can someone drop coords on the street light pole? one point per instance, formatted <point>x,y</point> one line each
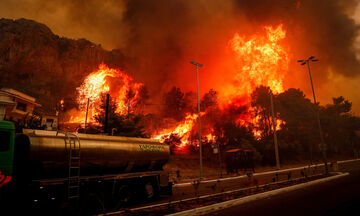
<point>274,129</point>
<point>87,111</point>
<point>198,102</point>
<point>323,144</point>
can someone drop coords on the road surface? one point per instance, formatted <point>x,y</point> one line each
<point>337,197</point>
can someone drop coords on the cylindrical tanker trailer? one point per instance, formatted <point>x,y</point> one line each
<point>49,153</point>
<point>94,170</point>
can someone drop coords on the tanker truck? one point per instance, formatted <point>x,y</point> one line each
<point>52,169</point>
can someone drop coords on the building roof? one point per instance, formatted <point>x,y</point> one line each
<point>5,101</point>
<point>18,95</point>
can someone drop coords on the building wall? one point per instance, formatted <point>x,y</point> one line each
<point>50,121</point>
<point>15,113</point>
<point>2,111</point>
<point>17,105</point>
<point>5,101</point>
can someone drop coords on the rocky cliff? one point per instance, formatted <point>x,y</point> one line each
<point>44,65</point>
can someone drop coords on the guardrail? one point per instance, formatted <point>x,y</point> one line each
<point>259,182</point>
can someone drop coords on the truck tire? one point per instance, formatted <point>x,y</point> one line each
<point>149,191</point>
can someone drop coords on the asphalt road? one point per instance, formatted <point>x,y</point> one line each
<point>337,197</point>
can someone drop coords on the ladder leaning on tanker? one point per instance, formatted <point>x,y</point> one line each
<point>72,142</point>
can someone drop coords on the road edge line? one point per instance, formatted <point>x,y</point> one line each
<point>259,196</point>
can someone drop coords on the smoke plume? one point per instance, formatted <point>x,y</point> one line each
<point>160,37</point>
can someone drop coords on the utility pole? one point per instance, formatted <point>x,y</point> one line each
<point>87,111</point>
<point>323,144</point>
<point>220,159</point>
<point>106,113</point>
<point>274,130</point>
<point>198,103</point>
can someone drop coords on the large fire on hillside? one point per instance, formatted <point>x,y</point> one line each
<point>259,60</point>
<point>119,85</point>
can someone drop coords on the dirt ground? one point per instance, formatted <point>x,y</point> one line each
<point>186,167</point>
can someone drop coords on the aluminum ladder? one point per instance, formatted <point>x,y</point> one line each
<point>72,145</point>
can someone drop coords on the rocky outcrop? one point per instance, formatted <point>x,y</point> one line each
<point>36,61</point>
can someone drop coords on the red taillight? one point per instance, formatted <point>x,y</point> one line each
<point>4,179</point>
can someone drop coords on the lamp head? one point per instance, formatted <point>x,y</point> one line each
<point>195,63</point>
<point>311,57</point>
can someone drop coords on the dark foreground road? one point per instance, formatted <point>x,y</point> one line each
<point>339,197</point>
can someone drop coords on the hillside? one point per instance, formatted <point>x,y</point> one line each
<point>36,61</point>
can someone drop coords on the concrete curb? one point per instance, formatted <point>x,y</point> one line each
<point>264,173</point>
<point>230,203</point>
<point>348,161</point>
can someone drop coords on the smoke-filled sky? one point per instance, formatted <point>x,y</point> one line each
<point>161,37</point>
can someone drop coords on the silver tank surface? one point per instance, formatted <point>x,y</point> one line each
<point>99,153</point>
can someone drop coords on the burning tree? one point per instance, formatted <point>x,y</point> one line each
<point>134,101</point>
<point>120,124</point>
<point>260,103</point>
<point>209,100</point>
<point>129,96</point>
<point>177,104</point>
<point>173,140</point>
<point>127,100</point>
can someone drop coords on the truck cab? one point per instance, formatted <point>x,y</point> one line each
<point>7,138</point>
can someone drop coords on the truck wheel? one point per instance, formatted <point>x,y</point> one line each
<point>149,191</point>
<point>123,196</point>
<point>93,204</point>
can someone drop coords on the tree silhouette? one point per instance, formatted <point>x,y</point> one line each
<point>120,124</point>
<point>209,100</point>
<point>175,104</point>
<point>260,101</point>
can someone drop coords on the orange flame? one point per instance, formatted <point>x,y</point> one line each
<point>183,130</point>
<point>260,60</point>
<point>95,84</point>
<point>104,80</point>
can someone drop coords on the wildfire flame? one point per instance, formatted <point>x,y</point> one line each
<point>182,130</point>
<point>260,60</point>
<point>95,84</point>
<point>105,80</point>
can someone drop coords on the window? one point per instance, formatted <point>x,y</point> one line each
<point>4,141</point>
<point>49,122</point>
<point>21,106</point>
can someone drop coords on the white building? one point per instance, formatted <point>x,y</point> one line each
<point>15,105</point>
